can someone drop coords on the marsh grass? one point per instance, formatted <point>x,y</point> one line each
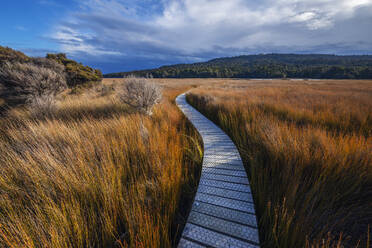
<point>307,150</point>
<point>96,174</point>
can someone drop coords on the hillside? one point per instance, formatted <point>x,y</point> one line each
<point>267,66</point>
<point>76,73</point>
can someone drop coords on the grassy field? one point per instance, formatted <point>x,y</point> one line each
<point>96,174</point>
<point>307,147</point>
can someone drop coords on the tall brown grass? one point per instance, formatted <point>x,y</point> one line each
<point>96,174</point>
<point>307,147</point>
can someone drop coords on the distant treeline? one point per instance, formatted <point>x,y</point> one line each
<point>267,66</point>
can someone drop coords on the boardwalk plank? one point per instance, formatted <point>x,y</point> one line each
<point>223,213</point>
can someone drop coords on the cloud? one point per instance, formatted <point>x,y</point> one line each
<point>193,30</point>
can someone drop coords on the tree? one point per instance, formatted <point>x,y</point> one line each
<point>268,66</point>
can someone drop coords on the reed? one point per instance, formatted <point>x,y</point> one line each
<point>307,150</point>
<point>96,174</point>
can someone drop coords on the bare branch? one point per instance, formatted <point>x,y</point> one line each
<point>141,94</point>
<point>31,84</point>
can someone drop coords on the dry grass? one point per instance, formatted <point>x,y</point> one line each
<point>94,172</point>
<point>307,147</point>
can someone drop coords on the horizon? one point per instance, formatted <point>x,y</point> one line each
<point>127,35</point>
<point>242,55</point>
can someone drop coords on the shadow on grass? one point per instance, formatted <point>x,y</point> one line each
<point>22,116</point>
<point>88,112</point>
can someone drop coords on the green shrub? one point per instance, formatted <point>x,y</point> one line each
<point>28,80</point>
<point>8,54</point>
<point>76,73</point>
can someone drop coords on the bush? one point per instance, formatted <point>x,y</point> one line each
<point>50,64</point>
<point>77,74</point>
<point>8,54</point>
<point>29,84</point>
<point>141,94</point>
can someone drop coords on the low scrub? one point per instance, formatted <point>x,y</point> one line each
<point>29,84</point>
<point>76,73</point>
<point>35,82</point>
<point>10,55</point>
<point>141,94</point>
<point>49,64</point>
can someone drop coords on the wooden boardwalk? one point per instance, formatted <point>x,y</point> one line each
<point>222,213</point>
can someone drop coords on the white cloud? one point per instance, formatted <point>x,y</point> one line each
<point>73,43</point>
<point>208,28</point>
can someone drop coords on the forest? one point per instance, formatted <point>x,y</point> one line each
<point>313,66</point>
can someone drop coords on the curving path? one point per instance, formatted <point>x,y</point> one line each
<point>222,214</point>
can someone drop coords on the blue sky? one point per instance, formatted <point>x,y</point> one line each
<point>121,35</point>
<point>26,24</point>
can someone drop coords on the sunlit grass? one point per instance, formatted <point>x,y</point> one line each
<point>308,152</point>
<point>96,174</point>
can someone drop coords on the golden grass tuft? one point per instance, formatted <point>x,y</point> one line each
<point>96,174</point>
<point>307,147</point>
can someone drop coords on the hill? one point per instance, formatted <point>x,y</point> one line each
<point>267,66</point>
<point>8,54</point>
<point>76,73</point>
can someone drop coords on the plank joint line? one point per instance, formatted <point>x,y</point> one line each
<point>219,220</point>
